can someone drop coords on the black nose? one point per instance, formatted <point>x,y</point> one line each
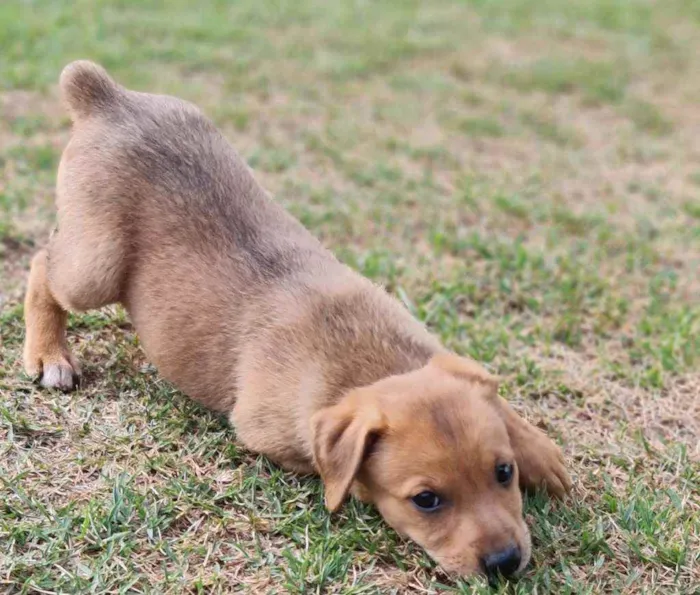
<point>505,562</point>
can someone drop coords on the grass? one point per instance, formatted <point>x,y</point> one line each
<point>597,82</point>
<point>522,174</point>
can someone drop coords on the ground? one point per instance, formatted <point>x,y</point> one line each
<point>523,174</point>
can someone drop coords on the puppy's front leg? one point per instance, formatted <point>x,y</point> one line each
<point>540,461</point>
<point>46,352</point>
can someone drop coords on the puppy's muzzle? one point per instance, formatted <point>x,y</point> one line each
<point>504,562</point>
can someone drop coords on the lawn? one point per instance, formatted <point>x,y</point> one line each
<point>523,174</point>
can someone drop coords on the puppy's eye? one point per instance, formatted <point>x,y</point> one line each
<point>504,474</point>
<point>427,501</point>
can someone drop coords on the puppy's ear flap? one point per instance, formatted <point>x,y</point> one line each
<point>341,436</point>
<point>464,368</point>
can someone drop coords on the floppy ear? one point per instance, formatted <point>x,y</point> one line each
<point>464,368</point>
<point>341,435</point>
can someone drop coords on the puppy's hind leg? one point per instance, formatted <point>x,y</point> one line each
<point>46,352</point>
<point>79,271</point>
<point>84,265</point>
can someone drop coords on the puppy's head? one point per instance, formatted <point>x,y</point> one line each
<point>431,450</point>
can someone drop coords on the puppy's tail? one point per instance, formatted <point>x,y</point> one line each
<point>87,89</point>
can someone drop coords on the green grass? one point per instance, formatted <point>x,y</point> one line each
<point>522,174</point>
<point>547,128</point>
<point>597,82</point>
<point>480,127</point>
<point>648,117</point>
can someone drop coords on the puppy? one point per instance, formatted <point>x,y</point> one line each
<point>245,311</point>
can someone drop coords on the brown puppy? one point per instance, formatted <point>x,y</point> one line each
<point>241,308</point>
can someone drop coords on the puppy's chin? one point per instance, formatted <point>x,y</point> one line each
<point>468,564</point>
<point>525,548</point>
<point>457,569</point>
